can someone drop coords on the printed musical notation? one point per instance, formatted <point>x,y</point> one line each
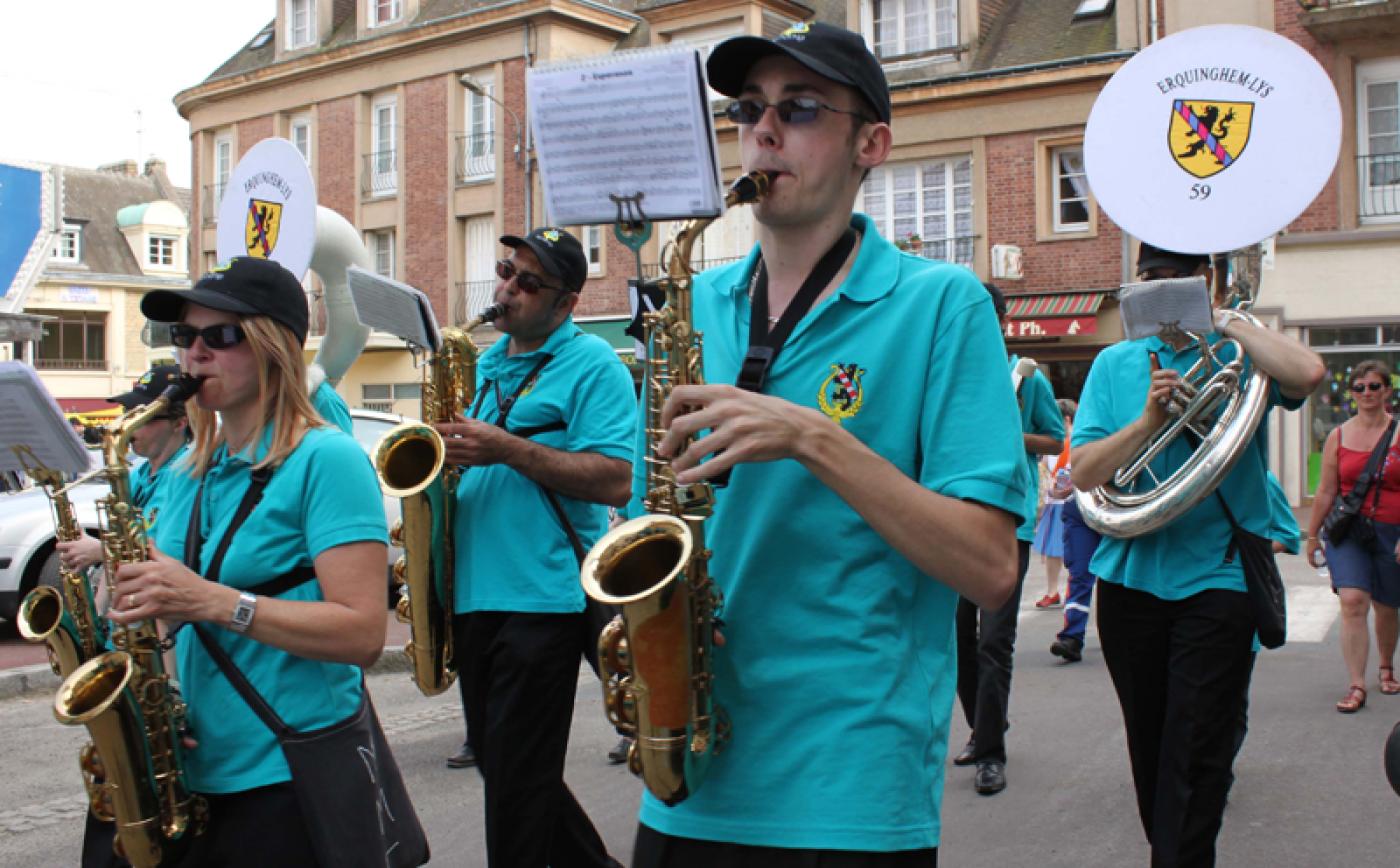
<point>629,123</point>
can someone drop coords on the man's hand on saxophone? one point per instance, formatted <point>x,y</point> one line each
<point>744,427</point>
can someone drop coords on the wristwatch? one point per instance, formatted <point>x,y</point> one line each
<point>243,613</point>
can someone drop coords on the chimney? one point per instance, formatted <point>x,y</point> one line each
<point>154,166</point>
<point>126,168</point>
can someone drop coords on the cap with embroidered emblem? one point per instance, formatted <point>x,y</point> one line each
<point>149,387</point>
<point>559,253</point>
<point>244,285</point>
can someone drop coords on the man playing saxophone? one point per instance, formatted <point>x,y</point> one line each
<point>544,449</point>
<point>1174,619</point>
<point>877,474</point>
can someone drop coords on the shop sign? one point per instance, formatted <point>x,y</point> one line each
<point>77,295</point>
<point>1052,326</point>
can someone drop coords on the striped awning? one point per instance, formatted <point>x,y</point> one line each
<point>1048,304</point>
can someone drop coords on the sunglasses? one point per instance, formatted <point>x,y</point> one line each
<point>216,337</point>
<point>527,282</point>
<point>1358,388</point>
<point>794,110</point>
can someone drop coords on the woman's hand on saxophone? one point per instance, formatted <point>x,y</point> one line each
<point>164,587</point>
<point>744,427</point>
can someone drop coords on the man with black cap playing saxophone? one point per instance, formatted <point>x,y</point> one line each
<point>877,473</point>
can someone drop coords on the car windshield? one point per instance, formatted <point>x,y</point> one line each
<point>368,431</point>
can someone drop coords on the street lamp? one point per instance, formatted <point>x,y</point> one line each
<point>471,83</point>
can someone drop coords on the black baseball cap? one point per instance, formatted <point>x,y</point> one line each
<point>832,52</point>
<point>998,299</point>
<point>245,285</point>
<point>149,387</point>
<point>1150,256</point>
<point>559,253</point>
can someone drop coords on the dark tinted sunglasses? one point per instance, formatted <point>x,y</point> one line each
<point>527,282</point>
<point>216,337</point>
<point>794,110</point>
<point>1367,387</point>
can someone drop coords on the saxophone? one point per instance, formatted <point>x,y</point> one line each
<point>124,697</point>
<point>409,462</point>
<point>655,658</point>
<point>66,620</point>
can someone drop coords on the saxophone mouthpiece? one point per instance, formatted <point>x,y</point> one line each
<point>749,188</point>
<point>183,389</point>
<point>491,312</point>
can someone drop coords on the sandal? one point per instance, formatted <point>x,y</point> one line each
<point>1389,686</point>
<point>1354,701</point>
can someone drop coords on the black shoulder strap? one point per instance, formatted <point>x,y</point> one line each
<point>240,683</point>
<point>1368,475</point>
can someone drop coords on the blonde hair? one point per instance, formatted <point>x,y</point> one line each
<point>281,394</point>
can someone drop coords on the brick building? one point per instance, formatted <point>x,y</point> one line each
<point>411,115</point>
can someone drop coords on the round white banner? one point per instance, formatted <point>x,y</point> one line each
<point>1213,138</point>
<point>269,208</point>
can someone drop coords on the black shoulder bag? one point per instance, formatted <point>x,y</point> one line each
<point>1344,521</point>
<point>1261,580</point>
<point>351,794</point>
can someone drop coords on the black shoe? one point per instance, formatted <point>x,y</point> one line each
<point>462,759</point>
<point>618,755</point>
<point>967,756</point>
<point>991,778</point>
<point>1070,648</point>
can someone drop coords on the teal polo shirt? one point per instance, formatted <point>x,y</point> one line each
<point>1187,556</point>
<point>512,553</point>
<point>1039,415</point>
<point>332,407</point>
<point>146,486</point>
<point>324,495</point>
<point>838,668</point>
<point>1284,524</point>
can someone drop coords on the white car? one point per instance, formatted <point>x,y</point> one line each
<point>27,541</point>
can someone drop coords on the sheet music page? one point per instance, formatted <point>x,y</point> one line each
<point>1149,308</point>
<point>626,123</point>
<point>30,419</point>
<point>393,307</point>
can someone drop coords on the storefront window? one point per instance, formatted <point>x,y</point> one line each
<point>1331,405</point>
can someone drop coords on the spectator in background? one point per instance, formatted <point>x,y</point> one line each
<point>1049,540</point>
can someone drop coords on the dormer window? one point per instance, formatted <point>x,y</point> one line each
<point>160,251</point>
<point>301,23</point>
<point>903,27</point>
<point>383,12</point>
<point>69,247</point>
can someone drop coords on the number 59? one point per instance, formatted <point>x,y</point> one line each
<point>1200,191</point>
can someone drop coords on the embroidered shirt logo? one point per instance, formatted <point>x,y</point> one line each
<point>842,394</point>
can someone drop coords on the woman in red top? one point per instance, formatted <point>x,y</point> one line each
<point>1365,575</point>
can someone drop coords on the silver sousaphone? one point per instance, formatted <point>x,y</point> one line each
<point>1193,146</point>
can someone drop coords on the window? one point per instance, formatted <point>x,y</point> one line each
<point>925,208</point>
<point>912,26</point>
<point>381,396</point>
<point>160,251</point>
<point>705,38</point>
<point>301,23</point>
<point>479,268</point>
<point>300,133</point>
<point>479,148</point>
<point>1378,139</point>
<point>69,247</point>
<point>75,341</point>
<point>1342,348</point>
<point>223,167</point>
<point>383,162</point>
<point>1070,197</point>
<point>593,248</point>
<point>381,247</point>
<point>383,12</point>
<point>1092,8</point>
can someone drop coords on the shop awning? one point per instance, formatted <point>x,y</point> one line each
<point>612,330</point>
<point>1051,314</point>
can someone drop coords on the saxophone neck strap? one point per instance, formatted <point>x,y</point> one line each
<point>764,345</point>
<point>505,405</point>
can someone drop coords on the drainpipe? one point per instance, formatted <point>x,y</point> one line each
<point>529,148</point>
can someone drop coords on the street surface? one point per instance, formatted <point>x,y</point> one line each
<point>1310,790</point>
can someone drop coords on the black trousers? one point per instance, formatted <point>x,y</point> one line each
<point>1181,670</point>
<point>262,826</point>
<point>519,673</point>
<point>655,849</point>
<point>986,643</point>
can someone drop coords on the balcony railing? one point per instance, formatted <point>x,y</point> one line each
<point>655,269</point>
<point>70,364</point>
<point>381,173</point>
<point>378,406</point>
<point>958,250</point>
<point>476,157</point>
<point>211,195</point>
<point>1379,179</point>
<point>473,296</point>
